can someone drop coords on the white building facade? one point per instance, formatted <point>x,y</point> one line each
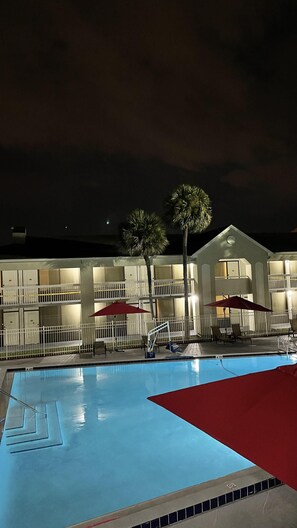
<point>46,302</point>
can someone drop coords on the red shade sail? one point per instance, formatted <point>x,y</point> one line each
<point>254,415</point>
<point>239,303</point>
<point>119,308</point>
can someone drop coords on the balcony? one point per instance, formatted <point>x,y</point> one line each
<point>170,287</point>
<point>139,289</point>
<point>32,295</point>
<point>104,291</point>
<point>113,290</point>
<point>233,285</point>
<point>282,282</point>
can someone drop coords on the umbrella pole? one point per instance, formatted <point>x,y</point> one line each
<point>112,334</point>
<point>266,327</point>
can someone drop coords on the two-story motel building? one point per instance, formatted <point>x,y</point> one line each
<point>51,287</point>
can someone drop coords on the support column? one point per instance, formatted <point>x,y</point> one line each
<point>260,293</point>
<point>207,293</point>
<point>87,307</point>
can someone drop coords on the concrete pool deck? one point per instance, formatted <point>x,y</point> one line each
<point>275,508</point>
<point>261,345</point>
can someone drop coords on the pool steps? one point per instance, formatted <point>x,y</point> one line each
<point>28,431</point>
<point>15,418</point>
<point>19,425</point>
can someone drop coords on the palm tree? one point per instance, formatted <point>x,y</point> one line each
<point>144,235</point>
<point>189,208</point>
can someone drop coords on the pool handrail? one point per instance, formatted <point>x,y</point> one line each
<point>9,395</point>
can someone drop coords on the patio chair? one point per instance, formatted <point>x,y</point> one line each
<point>217,335</point>
<point>144,342</point>
<point>236,331</point>
<point>293,323</point>
<point>99,347</point>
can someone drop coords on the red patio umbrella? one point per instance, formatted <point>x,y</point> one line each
<point>254,415</point>
<point>241,304</point>
<point>119,308</point>
<point>238,302</point>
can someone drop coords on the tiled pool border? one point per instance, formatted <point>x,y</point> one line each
<point>205,506</point>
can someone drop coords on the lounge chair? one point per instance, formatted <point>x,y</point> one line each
<point>217,335</point>
<point>174,348</point>
<point>236,331</point>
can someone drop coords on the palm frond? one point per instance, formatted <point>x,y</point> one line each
<point>189,207</point>
<point>144,234</point>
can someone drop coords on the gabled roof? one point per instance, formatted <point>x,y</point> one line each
<point>233,230</point>
<point>273,242</point>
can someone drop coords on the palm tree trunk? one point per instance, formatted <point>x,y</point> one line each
<point>186,286</point>
<point>149,280</point>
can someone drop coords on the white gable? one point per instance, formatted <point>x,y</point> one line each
<point>228,241</point>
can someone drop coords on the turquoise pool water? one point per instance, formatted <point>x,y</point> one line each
<point>118,448</point>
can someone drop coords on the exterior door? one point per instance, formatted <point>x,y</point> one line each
<point>31,324</point>
<point>233,268</point>
<point>30,282</point>
<point>11,328</point>
<point>10,287</point>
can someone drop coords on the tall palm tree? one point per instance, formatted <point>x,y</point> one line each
<point>144,235</point>
<point>189,208</point>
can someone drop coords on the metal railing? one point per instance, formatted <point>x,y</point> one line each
<point>21,402</point>
<point>56,340</point>
<point>139,289</point>
<point>282,282</point>
<point>103,291</point>
<point>114,290</point>
<point>50,294</point>
<point>232,277</point>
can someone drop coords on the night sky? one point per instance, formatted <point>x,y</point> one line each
<point>109,105</point>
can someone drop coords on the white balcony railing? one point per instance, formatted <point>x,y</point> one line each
<point>278,282</point>
<point>114,290</point>
<point>172,287</point>
<point>65,293</point>
<point>24,295</point>
<point>282,282</point>
<point>139,289</point>
<point>104,291</point>
<point>293,282</point>
<point>234,285</point>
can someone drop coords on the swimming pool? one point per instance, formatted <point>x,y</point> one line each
<point>115,447</point>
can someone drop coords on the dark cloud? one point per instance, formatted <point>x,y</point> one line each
<point>127,99</point>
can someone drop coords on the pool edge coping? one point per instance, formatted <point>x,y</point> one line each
<point>145,511</point>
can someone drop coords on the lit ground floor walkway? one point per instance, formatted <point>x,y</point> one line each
<point>276,508</point>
